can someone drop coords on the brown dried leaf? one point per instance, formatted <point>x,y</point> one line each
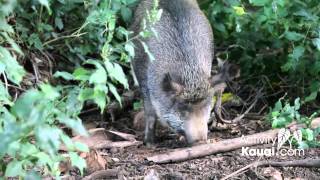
<point>96,136</point>
<point>95,162</point>
<point>272,173</point>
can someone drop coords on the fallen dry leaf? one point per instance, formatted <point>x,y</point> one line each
<point>95,162</point>
<point>272,173</point>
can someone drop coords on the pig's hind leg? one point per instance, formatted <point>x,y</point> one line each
<point>150,123</point>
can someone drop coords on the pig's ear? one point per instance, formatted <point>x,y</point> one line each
<point>169,85</point>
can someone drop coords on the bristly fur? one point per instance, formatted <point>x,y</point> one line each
<point>184,50</point>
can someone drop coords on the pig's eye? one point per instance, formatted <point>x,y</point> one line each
<point>184,106</point>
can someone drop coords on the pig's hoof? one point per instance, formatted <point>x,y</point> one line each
<point>150,145</point>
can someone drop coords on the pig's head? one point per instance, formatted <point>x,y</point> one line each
<point>189,103</point>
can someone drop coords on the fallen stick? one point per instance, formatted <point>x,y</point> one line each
<point>183,154</point>
<point>103,174</point>
<point>119,144</point>
<point>310,163</point>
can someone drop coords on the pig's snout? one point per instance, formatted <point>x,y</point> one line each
<point>196,131</point>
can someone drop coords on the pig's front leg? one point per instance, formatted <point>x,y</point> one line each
<point>150,123</point>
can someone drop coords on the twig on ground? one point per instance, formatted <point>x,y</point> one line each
<point>119,144</point>
<point>212,148</point>
<point>310,163</point>
<point>126,136</point>
<point>109,173</point>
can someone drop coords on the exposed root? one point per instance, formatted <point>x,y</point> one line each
<point>218,108</point>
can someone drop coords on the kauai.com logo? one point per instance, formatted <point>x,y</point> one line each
<point>277,148</point>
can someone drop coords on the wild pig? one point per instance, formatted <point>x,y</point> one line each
<point>177,87</point>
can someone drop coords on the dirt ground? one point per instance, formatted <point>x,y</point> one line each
<point>132,164</point>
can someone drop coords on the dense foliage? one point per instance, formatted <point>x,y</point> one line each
<point>86,41</point>
<point>276,38</point>
<point>277,41</point>
<point>85,49</point>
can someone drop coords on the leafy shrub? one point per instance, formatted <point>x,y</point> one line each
<point>274,38</point>
<point>90,46</point>
<point>284,114</point>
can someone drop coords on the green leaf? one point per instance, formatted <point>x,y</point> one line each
<point>44,159</point>
<point>24,105</point>
<point>28,149</point>
<point>14,168</point>
<point>278,106</point>
<point>14,71</point>
<point>293,36</point>
<point>48,138</point>
<point>126,14</point>
<point>239,10</point>
<point>13,44</point>
<point>81,74</point>
<point>4,26</point>
<point>309,135</point>
<point>74,124</point>
<point>259,2</point>
<point>279,122</point>
<point>311,97</point>
<point>58,23</point>
<point>5,98</point>
<point>68,142</point>
<point>73,104</point>
<point>46,4</point>
<point>307,15</point>
<point>303,145</point>
<point>99,76</point>
<point>33,175</point>
<point>296,104</point>
<point>297,52</point>
<point>81,147</point>
<point>13,147</point>
<point>316,42</point>
<point>49,91</point>
<point>35,41</point>
<point>129,47</point>
<point>100,97</point>
<point>86,94</point>
<point>115,92</point>
<point>77,161</point>
<point>115,71</point>
<point>64,75</point>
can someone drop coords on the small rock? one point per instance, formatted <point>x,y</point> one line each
<point>114,150</point>
<point>152,175</point>
<point>315,123</point>
<point>115,159</point>
<point>272,173</point>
